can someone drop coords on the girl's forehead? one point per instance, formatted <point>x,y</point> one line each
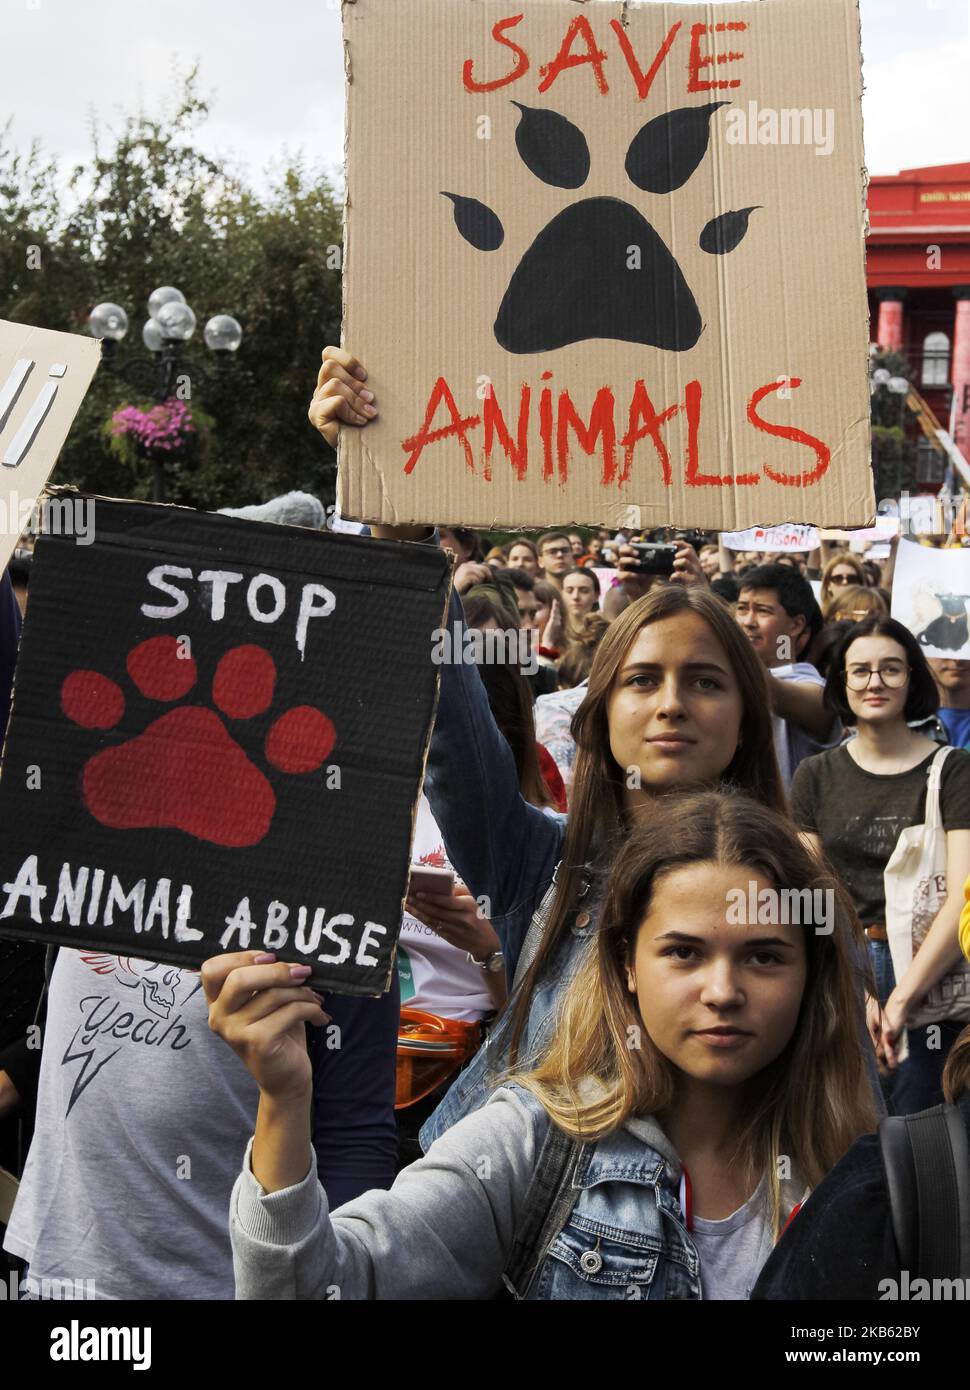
<point>675,640</point>
<point>866,648</point>
<point>725,905</point>
<point>682,880</point>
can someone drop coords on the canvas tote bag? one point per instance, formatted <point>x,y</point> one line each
<point>915,882</point>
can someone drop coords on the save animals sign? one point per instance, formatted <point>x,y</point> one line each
<point>605,263</point>
<point>217,738</point>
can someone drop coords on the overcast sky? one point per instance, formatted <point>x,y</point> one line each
<point>275,73</point>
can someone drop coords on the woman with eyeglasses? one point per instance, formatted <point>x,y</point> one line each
<point>853,802</point>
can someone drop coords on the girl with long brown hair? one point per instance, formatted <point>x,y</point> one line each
<point>677,698</point>
<point>705,1070</point>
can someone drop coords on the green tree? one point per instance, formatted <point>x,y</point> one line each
<point>149,208</point>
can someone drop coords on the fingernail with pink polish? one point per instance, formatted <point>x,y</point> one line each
<point>300,972</point>
<point>264,959</point>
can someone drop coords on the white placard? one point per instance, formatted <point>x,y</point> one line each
<point>43,380</point>
<point>931,596</point>
<point>772,538</point>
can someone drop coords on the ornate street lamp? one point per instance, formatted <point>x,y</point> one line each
<point>170,325</point>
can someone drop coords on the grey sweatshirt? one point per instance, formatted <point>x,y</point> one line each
<point>443,1231</point>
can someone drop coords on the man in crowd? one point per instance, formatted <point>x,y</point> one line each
<point>777,612</point>
<point>710,558</point>
<point>555,556</point>
<point>524,556</point>
<point>953,680</point>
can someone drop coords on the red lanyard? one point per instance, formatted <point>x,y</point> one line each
<point>687,1204</point>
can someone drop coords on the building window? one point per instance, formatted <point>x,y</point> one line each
<point>936,359</point>
<point>930,463</point>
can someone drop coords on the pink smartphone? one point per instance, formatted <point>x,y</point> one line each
<point>427,879</point>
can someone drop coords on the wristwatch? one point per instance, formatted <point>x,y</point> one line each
<point>492,964</point>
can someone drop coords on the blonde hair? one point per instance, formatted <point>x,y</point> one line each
<point>812,1101</point>
<point>853,598</point>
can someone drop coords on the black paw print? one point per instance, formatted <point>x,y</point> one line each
<point>575,281</point>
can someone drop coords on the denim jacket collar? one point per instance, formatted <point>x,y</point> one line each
<point>661,1162</point>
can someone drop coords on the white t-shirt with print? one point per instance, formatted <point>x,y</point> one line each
<point>553,714</point>
<point>143,1115</point>
<point>443,980</point>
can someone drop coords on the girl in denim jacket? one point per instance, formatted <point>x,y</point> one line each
<point>676,698</point>
<point>704,1069</point>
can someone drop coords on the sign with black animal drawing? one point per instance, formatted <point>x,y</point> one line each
<point>629,281</point>
<point>44,377</point>
<point>931,596</point>
<point>217,739</point>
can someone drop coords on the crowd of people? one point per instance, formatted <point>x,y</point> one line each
<point>612,1063</point>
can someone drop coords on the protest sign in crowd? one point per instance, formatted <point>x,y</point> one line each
<point>393,906</point>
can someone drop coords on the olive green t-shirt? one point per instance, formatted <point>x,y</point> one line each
<point>858,815</point>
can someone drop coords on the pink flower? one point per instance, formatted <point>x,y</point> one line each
<point>165,426</point>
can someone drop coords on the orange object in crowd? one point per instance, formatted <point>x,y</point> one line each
<point>429,1049</point>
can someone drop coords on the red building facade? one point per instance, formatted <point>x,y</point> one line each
<point>918,273</point>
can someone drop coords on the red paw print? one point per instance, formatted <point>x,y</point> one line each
<point>186,771</point>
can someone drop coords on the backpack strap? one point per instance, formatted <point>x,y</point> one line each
<point>548,1202</point>
<point>926,1159</point>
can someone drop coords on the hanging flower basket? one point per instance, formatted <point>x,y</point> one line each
<point>170,432</point>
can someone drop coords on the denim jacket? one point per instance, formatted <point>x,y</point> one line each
<point>502,847</point>
<point>625,1235</point>
<point>472,1087</point>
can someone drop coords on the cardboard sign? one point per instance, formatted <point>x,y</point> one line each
<point>772,538</point>
<point>43,380</point>
<point>604,263</point>
<point>218,734</point>
<point>931,596</point>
